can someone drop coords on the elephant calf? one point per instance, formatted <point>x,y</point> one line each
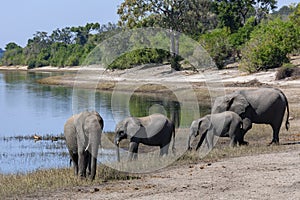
<point>83,137</point>
<point>225,124</point>
<point>153,130</point>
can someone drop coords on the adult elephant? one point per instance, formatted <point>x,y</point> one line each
<point>153,130</point>
<point>225,124</point>
<point>83,137</point>
<point>260,106</point>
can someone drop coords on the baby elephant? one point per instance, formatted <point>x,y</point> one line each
<point>152,130</point>
<point>225,124</point>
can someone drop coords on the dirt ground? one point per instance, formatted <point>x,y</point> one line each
<point>263,176</point>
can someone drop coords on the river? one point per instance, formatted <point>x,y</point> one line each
<point>28,108</point>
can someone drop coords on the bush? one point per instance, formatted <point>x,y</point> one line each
<point>269,46</point>
<point>288,70</point>
<point>217,44</point>
<point>138,57</point>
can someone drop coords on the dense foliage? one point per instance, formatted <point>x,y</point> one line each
<point>1,53</point>
<point>63,47</point>
<point>269,45</point>
<point>229,30</point>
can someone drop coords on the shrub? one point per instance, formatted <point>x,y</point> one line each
<point>217,44</point>
<point>269,45</point>
<point>139,56</point>
<point>287,70</point>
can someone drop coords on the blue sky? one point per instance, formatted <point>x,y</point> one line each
<point>20,19</point>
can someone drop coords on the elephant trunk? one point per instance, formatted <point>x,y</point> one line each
<point>189,141</point>
<point>94,153</point>
<point>117,143</point>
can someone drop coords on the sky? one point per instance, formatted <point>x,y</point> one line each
<point>20,19</point>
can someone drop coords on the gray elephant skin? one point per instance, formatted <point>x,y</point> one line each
<point>83,137</point>
<point>260,106</point>
<point>153,130</point>
<point>225,124</point>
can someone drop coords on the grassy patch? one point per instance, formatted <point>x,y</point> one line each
<point>54,179</point>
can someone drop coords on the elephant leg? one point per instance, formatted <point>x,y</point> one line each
<point>164,150</point>
<point>74,159</point>
<point>276,129</point>
<point>75,163</point>
<point>88,162</point>
<point>133,151</point>
<point>233,141</point>
<point>239,137</point>
<point>210,140</point>
<point>247,125</point>
<point>82,164</point>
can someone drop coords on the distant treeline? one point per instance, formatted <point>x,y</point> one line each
<point>244,31</point>
<point>63,47</point>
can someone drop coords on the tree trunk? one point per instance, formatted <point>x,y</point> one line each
<point>174,50</point>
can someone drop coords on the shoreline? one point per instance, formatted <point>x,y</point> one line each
<point>156,77</point>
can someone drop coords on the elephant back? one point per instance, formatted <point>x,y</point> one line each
<point>154,123</point>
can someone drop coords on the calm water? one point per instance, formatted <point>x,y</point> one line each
<point>28,108</point>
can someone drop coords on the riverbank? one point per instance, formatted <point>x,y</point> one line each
<point>253,172</point>
<point>97,77</point>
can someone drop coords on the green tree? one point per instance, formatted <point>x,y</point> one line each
<point>1,53</point>
<point>13,55</point>
<point>270,45</point>
<point>234,13</point>
<point>176,15</point>
<point>64,35</point>
<point>239,38</point>
<point>218,46</point>
<point>83,32</point>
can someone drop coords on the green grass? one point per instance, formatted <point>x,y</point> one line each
<point>54,179</point>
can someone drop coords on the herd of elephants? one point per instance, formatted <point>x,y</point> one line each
<point>232,116</point>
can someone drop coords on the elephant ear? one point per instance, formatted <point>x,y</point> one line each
<point>236,103</point>
<point>204,124</point>
<point>132,125</point>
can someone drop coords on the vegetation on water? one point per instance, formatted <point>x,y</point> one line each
<point>229,30</point>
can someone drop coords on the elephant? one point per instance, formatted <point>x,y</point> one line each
<point>225,124</point>
<point>260,106</point>
<point>152,130</point>
<point>83,137</point>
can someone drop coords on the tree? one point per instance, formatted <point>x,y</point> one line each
<point>187,16</point>
<point>217,44</point>
<point>270,45</point>
<point>1,53</point>
<point>64,35</point>
<point>234,13</point>
<point>13,55</point>
<point>83,32</point>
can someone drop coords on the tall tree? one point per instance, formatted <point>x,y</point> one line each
<point>234,13</point>
<point>187,16</point>
<point>64,35</point>
<point>83,32</point>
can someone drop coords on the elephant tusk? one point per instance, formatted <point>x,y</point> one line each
<point>87,148</point>
<point>118,142</point>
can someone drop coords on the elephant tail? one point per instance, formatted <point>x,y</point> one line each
<point>287,123</point>
<point>173,138</point>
